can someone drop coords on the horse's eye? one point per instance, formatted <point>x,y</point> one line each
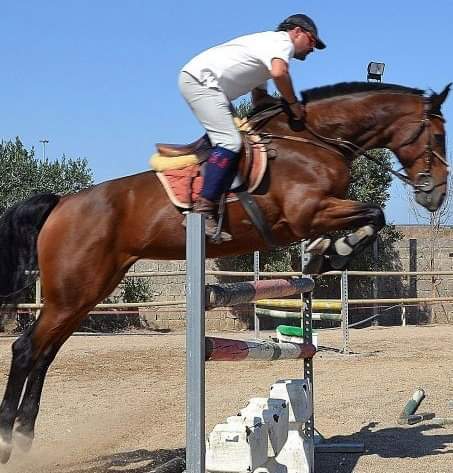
<point>440,141</point>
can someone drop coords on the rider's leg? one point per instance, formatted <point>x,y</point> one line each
<point>213,110</point>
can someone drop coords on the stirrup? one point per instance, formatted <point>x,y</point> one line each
<point>219,235</point>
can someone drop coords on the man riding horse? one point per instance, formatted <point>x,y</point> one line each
<point>215,77</point>
<point>83,243</point>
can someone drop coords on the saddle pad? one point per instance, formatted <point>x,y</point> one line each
<point>161,163</point>
<point>183,186</point>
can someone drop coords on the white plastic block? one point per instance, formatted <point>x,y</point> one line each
<point>274,413</point>
<point>297,393</point>
<point>236,448</point>
<point>297,455</point>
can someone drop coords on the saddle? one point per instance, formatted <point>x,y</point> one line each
<point>180,167</point>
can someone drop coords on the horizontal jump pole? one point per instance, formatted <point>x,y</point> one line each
<point>227,295</point>
<point>281,314</point>
<point>224,349</point>
<point>317,304</point>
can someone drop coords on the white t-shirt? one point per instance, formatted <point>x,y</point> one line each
<point>240,65</point>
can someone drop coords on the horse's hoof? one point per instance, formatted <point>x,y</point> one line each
<point>339,262</point>
<point>5,450</point>
<point>24,440</point>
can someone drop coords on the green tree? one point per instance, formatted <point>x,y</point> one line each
<point>136,290</point>
<point>23,174</point>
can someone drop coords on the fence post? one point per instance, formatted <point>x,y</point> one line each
<point>303,245</point>
<point>195,344</point>
<point>307,322</point>
<point>403,316</point>
<point>345,311</point>
<point>413,312</point>
<point>256,269</point>
<point>375,282</point>
<point>38,296</point>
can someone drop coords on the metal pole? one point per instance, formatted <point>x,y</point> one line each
<point>302,296</point>
<point>195,344</point>
<point>44,142</point>
<point>345,311</point>
<point>256,269</point>
<point>403,316</point>
<point>38,296</point>
<point>375,282</point>
<point>309,428</point>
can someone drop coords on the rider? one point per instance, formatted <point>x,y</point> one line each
<point>215,77</point>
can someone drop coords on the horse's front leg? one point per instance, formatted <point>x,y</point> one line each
<point>336,214</point>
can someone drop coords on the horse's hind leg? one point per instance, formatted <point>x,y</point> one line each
<point>21,364</point>
<point>56,326</point>
<point>29,365</point>
<point>24,426</point>
<point>67,304</point>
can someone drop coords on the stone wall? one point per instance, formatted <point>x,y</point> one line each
<point>414,253</point>
<point>423,250</point>
<point>172,288</point>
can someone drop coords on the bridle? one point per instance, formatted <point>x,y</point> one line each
<point>424,181</point>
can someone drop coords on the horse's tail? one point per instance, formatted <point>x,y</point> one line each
<point>19,229</point>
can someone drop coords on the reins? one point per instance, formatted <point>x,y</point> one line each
<point>338,145</point>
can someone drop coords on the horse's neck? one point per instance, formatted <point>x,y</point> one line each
<point>367,121</point>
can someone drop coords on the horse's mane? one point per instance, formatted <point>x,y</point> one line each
<point>347,88</point>
<point>335,90</point>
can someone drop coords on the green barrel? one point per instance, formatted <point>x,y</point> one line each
<point>412,405</point>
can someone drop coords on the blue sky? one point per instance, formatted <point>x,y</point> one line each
<point>98,78</point>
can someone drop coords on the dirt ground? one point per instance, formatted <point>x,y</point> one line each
<point>115,403</point>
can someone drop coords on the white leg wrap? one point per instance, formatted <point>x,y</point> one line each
<point>318,246</point>
<point>344,246</point>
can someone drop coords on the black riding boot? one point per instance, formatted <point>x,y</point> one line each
<point>208,209</point>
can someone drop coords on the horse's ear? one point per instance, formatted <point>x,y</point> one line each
<point>438,99</point>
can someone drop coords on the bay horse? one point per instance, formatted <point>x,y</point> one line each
<point>84,243</point>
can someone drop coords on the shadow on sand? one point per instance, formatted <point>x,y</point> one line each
<point>391,442</point>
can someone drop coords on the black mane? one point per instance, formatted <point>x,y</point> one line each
<point>335,90</point>
<point>346,88</point>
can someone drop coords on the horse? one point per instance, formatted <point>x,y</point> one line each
<point>83,244</point>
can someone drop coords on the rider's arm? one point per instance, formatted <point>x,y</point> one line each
<point>284,84</point>
<point>282,79</point>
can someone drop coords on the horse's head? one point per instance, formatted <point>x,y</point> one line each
<point>421,148</point>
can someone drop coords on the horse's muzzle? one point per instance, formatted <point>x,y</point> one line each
<point>431,200</point>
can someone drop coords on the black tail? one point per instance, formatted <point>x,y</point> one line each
<point>19,229</point>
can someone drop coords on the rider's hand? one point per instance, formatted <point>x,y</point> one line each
<point>298,111</point>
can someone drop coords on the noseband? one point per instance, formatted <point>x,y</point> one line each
<point>424,180</point>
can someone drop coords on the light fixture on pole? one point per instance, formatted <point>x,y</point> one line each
<point>375,71</point>
<point>44,142</point>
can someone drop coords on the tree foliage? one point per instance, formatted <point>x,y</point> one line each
<point>136,290</point>
<point>23,174</point>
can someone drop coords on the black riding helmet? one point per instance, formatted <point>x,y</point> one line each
<point>304,22</point>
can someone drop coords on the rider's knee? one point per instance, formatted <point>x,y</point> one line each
<point>232,142</point>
